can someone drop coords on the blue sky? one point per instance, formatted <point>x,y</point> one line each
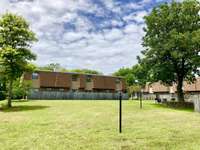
<point>104,35</point>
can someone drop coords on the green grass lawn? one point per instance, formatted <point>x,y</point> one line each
<point>93,125</point>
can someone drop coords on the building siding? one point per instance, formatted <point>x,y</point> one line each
<point>82,81</point>
<point>158,87</point>
<point>54,80</point>
<point>58,81</point>
<point>191,91</point>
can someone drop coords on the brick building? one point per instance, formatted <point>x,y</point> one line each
<point>68,85</point>
<point>191,91</point>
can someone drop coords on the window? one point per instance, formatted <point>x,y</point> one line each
<point>118,81</point>
<point>88,78</point>
<point>74,77</point>
<point>34,76</point>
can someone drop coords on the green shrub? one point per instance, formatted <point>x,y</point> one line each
<point>21,89</point>
<point>2,95</point>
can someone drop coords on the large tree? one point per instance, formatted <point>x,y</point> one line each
<point>15,53</point>
<point>127,73</point>
<point>172,42</point>
<point>135,75</point>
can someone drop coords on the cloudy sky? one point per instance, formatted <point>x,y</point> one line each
<point>104,35</point>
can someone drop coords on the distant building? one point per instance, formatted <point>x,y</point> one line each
<point>68,85</point>
<point>191,91</point>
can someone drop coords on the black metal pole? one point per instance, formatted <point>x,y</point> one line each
<point>120,112</point>
<point>140,100</point>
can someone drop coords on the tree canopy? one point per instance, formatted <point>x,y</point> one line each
<point>16,39</point>
<point>51,67</point>
<point>87,71</point>
<point>135,75</point>
<point>172,41</point>
<point>58,67</point>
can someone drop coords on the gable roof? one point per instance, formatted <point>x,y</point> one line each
<point>158,87</point>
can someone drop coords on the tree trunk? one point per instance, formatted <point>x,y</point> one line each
<point>180,90</point>
<point>10,93</point>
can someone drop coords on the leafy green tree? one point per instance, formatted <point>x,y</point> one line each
<point>52,67</point>
<point>136,75</point>
<point>58,67</point>
<point>134,89</point>
<point>87,71</point>
<point>21,88</point>
<point>140,73</point>
<point>127,73</point>
<point>172,42</point>
<point>2,88</point>
<point>15,53</point>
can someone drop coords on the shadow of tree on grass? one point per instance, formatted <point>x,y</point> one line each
<point>181,108</point>
<point>20,100</point>
<point>22,108</point>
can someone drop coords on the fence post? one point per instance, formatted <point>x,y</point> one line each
<point>120,112</point>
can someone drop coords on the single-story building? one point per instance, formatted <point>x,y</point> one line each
<point>69,85</point>
<point>191,91</point>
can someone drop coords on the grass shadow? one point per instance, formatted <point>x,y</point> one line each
<point>171,107</point>
<point>22,108</point>
<point>20,100</point>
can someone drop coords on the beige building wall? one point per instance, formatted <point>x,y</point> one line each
<point>65,81</point>
<point>89,86</point>
<point>76,84</point>
<point>36,83</point>
<point>119,86</point>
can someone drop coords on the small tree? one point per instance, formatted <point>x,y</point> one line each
<point>51,67</point>
<point>134,89</point>
<point>172,42</point>
<point>2,87</point>
<point>21,88</point>
<point>15,42</point>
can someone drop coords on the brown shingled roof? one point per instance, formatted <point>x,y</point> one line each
<point>192,87</point>
<point>188,87</point>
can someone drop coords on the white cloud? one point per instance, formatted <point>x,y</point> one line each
<point>106,50</point>
<point>137,16</point>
